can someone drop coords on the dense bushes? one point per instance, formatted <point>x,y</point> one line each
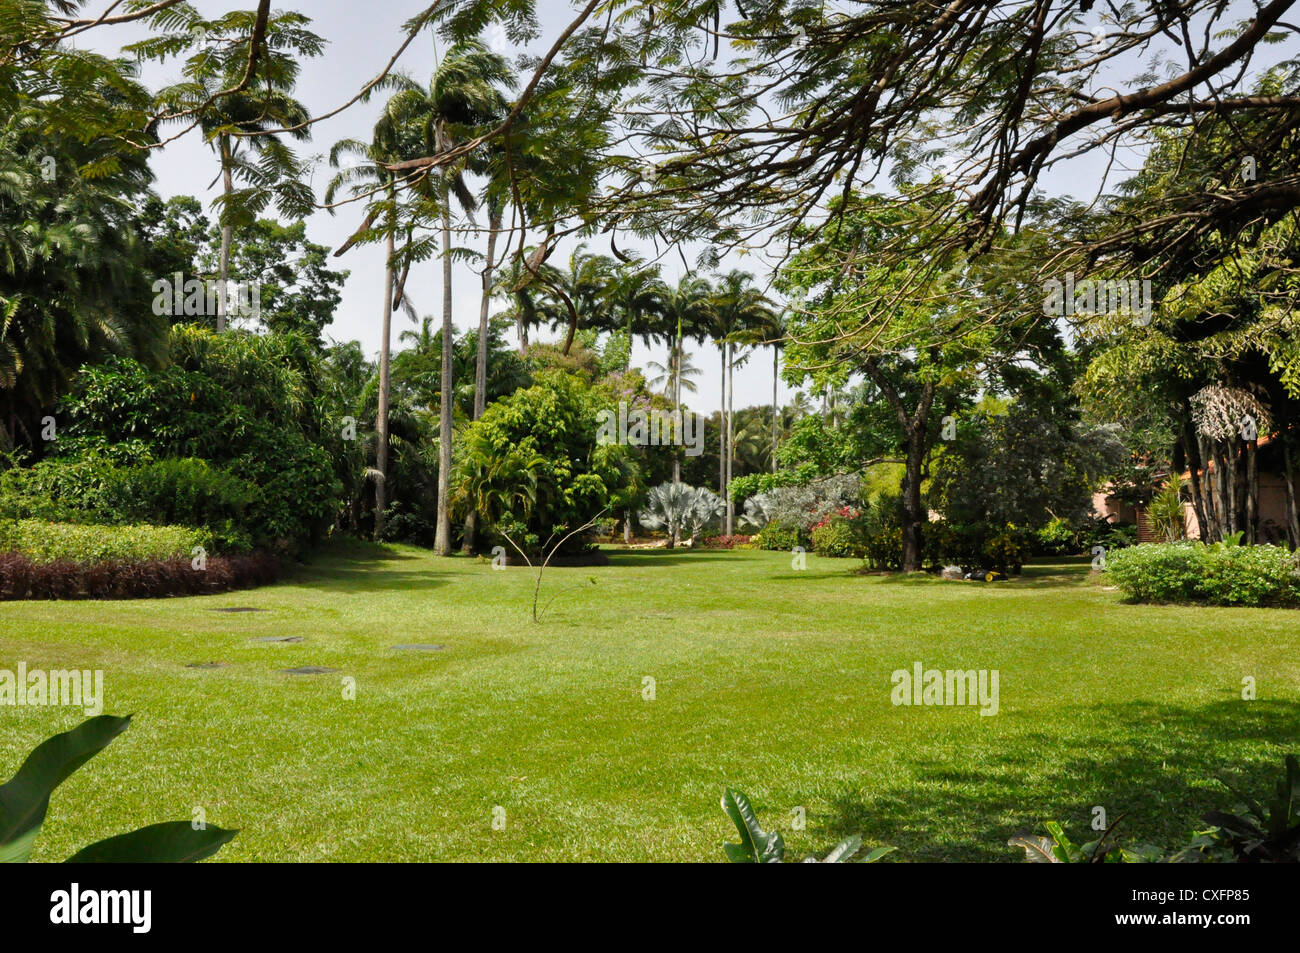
<point>43,542</point>
<point>780,536</point>
<point>533,463</point>
<point>1219,574</point>
<point>839,536</point>
<point>22,578</point>
<point>93,489</point>
<point>241,403</point>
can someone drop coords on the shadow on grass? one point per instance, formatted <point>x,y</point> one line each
<point>665,557</point>
<point>354,565</point>
<point>1155,764</point>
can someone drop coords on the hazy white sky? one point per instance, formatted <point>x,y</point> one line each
<point>362,37</point>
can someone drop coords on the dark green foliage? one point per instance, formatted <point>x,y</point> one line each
<point>1024,466</point>
<point>243,403</point>
<point>533,458</point>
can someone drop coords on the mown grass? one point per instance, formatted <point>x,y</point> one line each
<point>769,679</point>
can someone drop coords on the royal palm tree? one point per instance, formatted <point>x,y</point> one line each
<point>369,177</point>
<point>740,315</point>
<point>637,298</point>
<point>241,127</point>
<point>464,95</point>
<point>688,312</point>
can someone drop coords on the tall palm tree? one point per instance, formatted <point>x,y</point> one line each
<point>637,299</point>
<point>688,312</point>
<point>464,95</point>
<point>741,314</point>
<point>776,330</point>
<point>239,126</point>
<point>368,176</point>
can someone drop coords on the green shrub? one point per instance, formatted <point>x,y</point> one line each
<point>975,545</point>
<point>188,492</point>
<point>838,537</point>
<point>778,536</point>
<point>245,403</point>
<point>1218,575</point>
<point>1057,538</point>
<point>44,542</point>
<point>93,489</point>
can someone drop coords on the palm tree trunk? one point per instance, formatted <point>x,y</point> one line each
<point>381,421</point>
<point>480,364</point>
<point>1252,494</point>
<point>722,420</point>
<point>442,538</point>
<point>227,233</point>
<point>675,361</point>
<point>731,436</point>
<point>776,413</point>
<point>1292,517</point>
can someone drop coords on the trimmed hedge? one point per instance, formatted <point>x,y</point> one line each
<point>42,542</point>
<point>1218,574</point>
<point>21,578</point>
<point>93,489</point>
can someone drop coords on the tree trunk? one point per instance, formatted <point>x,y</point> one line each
<point>912,515</point>
<point>381,421</point>
<point>627,527</point>
<point>1252,493</point>
<point>442,538</point>
<point>1227,514</point>
<point>1213,513</point>
<point>722,423</point>
<point>1193,454</point>
<point>776,411</point>
<point>675,363</point>
<point>1292,517</point>
<point>227,233</point>
<point>731,436</point>
<point>480,364</point>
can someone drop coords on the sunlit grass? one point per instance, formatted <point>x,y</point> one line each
<point>766,678</point>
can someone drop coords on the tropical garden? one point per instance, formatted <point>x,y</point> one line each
<point>715,365</point>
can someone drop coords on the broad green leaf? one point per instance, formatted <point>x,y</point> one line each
<point>876,853</point>
<point>26,797</point>
<point>845,849</point>
<point>758,846</point>
<point>172,842</point>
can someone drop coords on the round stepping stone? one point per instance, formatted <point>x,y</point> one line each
<point>278,638</point>
<point>207,665</point>
<point>237,609</point>
<point>308,670</point>
<point>420,647</point>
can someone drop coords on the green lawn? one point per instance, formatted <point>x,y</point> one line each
<point>768,679</point>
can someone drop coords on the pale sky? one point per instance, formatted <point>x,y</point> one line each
<point>362,37</point>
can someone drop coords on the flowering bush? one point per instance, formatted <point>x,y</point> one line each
<point>840,535</point>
